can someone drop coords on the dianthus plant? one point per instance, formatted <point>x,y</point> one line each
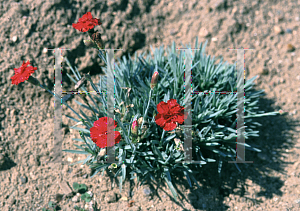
<point>149,113</point>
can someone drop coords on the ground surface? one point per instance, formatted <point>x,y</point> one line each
<point>29,182</point>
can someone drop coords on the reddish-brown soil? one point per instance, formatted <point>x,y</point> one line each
<point>28,181</point>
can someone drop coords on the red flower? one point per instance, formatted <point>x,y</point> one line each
<point>22,73</point>
<point>86,22</point>
<point>169,114</point>
<point>99,132</point>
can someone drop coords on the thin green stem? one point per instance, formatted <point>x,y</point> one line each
<point>162,136</point>
<point>35,82</point>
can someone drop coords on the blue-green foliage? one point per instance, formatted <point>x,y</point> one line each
<point>213,114</point>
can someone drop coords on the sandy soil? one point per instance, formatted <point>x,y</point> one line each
<point>28,181</point>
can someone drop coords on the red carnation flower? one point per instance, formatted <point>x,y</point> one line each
<point>99,132</point>
<point>169,114</point>
<point>86,22</point>
<point>22,73</point>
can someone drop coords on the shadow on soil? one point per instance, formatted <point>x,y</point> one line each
<point>273,140</point>
<point>230,180</point>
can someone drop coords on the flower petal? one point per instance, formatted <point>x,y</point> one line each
<point>162,108</point>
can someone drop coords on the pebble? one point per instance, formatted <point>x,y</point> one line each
<point>76,198</point>
<point>45,50</point>
<point>90,193</point>
<point>124,198</point>
<point>23,179</point>
<point>59,197</point>
<point>110,198</point>
<point>289,31</point>
<point>290,47</point>
<point>214,39</point>
<point>14,38</point>
<point>64,186</point>
<point>278,29</point>
<point>26,32</point>
<point>147,191</point>
<point>264,71</point>
<point>203,32</point>
<point>294,112</point>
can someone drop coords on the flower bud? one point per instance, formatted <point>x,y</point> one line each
<point>154,80</point>
<point>134,127</point>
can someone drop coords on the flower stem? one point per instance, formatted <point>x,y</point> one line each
<point>147,108</point>
<point>85,100</point>
<point>162,136</point>
<point>35,82</point>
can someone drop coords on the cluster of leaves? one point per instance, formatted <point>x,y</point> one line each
<point>52,206</point>
<point>82,189</point>
<point>79,188</point>
<point>213,115</point>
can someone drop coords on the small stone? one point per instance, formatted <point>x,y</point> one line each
<point>66,188</point>
<point>110,198</point>
<point>26,32</point>
<point>23,179</point>
<point>75,199</point>
<point>11,201</point>
<point>22,121</point>
<point>59,197</point>
<point>214,39</point>
<point>70,159</point>
<point>124,198</point>
<point>147,191</point>
<point>203,32</point>
<point>290,47</point>
<point>294,112</point>
<point>220,4</point>
<point>90,193</point>
<point>278,30</point>
<point>85,176</point>
<point>282,80</point>
<point>173,31</point>
<point>208,10</point>
<point>45,50</point>
<point>297,201</point>
<point>14,38</point>
<point>264,71</point>
<point>290,31</point>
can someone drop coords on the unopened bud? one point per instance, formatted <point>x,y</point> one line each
<point>134,127</point>
<point>154,80</point>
